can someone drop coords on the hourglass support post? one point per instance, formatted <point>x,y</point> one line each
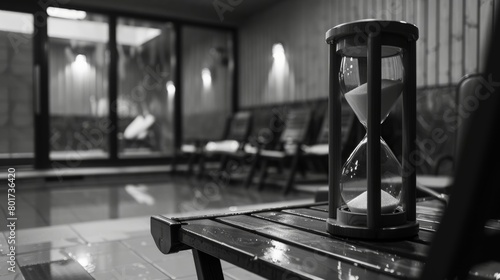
<point>409,130</point>
<point>373,150</point>
<point>334,158</point>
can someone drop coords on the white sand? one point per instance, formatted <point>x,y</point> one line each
<point>359,203</point>
<point>358,99</point>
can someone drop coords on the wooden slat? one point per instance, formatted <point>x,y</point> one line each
<point>247,212</point>
<point>405,248</point>
<point>421,22</point>
<point>432,42</point>
<point>267,257</point>
<point>457,30</point>
<point>308,213</point>
<point>471,36</point>
<point>429,224</point>
<point>427,217</point>
<point>339,249</point>
<point>444,75</point>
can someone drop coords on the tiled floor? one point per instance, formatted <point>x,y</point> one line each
<point>102,232</point>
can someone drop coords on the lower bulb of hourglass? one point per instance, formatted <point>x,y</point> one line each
<point>354,182</point>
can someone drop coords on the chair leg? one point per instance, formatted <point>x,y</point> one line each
<point>280,166</point>
<point>201,166</point>
<point>223,163</point>
<point>251,172</point>
<point>303,168</point>
<point>263,174</point>
<point>291,176</point>
<point>192,159</point>
<point>207,267</point>
<point>174,164</point>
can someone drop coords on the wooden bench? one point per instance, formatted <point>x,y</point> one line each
<point>292,243</point>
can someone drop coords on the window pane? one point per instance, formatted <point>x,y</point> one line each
<point>78,85</point>
<point>145,87</point>
<point>16,85</point>
<point>207,73</point>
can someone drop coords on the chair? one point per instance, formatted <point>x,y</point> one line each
<point>193,149</point>
<point>294,135</point>
<point>237,132</point>
<point>320,148</point>
<point>462,240</point>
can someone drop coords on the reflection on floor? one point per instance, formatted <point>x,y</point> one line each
<point>105,229</point>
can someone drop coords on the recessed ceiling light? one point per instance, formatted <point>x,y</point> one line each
<point>66,13</point>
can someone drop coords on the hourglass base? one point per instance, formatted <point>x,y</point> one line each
<point>354,225</point>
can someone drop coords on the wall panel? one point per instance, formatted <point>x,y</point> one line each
<point>452,35</point>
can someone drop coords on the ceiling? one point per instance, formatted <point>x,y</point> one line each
<point>219,12</point>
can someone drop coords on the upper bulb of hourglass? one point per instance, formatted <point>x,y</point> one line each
<point>353,81</point>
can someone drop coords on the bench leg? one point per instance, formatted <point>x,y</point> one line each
<point>207,267</point>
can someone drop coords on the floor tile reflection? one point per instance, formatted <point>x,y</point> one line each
<point>67,204</point>
<point>177,265</point>
<point>103,230</point>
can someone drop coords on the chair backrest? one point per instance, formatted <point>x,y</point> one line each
<point>348,119</point>
<point>297,124</point>
<point>239,126</point>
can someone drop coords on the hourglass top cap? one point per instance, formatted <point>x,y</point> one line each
<point>366,26</point>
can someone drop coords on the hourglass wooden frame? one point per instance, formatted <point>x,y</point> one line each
<point>374,34</point>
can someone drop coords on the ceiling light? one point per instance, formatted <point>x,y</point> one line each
<point>66,13</point>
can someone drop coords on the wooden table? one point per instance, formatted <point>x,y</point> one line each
<point>292,243</point>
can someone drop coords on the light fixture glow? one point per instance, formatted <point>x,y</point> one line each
<point>66,13</point>
<point>170,89</point>
<point>80,64</point>
<point>81,58</point>
<point>279,53</point>
<point>206,76</point>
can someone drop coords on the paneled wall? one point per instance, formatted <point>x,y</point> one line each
<point>452,35</point>
<point>75,90</point>
<point>205,106</point>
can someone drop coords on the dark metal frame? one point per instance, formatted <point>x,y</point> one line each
<point>402,35</point>
<point>41,121</point>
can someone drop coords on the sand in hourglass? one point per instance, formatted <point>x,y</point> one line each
<point>359,203</point>
<point>358,99</point>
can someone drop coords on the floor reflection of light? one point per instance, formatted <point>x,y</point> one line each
<point>139,194</point>
<point>85,260</point>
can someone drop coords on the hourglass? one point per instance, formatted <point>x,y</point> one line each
<point>372,63</point>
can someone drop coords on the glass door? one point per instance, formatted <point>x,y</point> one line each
<point>16,88</point>
<point>146,88</point>
<point>78,84</point>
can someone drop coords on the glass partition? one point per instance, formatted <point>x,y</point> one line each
<point>78,84</point>
<point>146,89</point>
<point>16,85</point>
<point>207,82</point>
